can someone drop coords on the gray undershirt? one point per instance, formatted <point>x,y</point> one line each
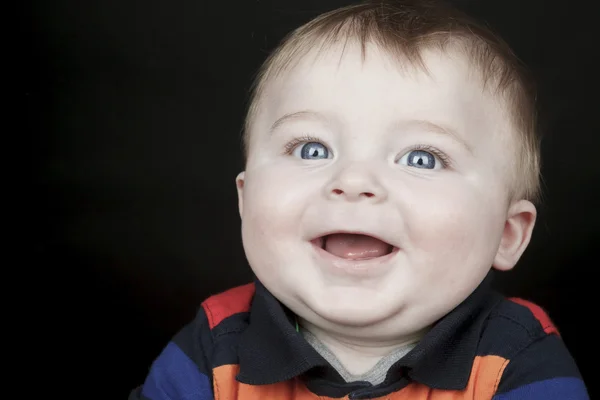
<point>375,375</point>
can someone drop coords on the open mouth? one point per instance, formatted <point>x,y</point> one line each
<point>353,246</point>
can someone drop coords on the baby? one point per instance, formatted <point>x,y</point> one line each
<point>392,164</point>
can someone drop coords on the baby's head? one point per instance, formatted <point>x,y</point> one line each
<point>391,161</point>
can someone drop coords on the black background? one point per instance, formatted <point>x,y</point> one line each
<point>134,112</point>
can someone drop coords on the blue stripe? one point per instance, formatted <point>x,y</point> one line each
<point>550,389</point>
<point>174,376</point>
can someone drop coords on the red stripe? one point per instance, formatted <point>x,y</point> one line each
<point>539,314</point>
<point>226,304</point>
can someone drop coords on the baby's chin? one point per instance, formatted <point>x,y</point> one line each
<point>381,323</point>
<point>354,309</point>
<point>336,302</point>
<point>350,317</point>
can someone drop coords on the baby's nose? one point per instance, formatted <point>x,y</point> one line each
<point>356,184</point>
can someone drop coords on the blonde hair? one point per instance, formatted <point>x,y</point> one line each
<point>404,29</point>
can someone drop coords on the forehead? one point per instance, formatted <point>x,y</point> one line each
<point>366,89</point>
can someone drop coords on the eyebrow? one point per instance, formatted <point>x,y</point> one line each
<point>435,128</point>
<point>299,115</point>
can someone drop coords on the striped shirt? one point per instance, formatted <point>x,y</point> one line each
<point>243,344</point>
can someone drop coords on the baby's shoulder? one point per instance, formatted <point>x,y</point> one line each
<point>513,325</point>
<point>228,303</point>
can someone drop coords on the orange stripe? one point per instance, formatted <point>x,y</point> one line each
<point>227,388</point>
<point>482,385</point>
<point>223,305</point>
<point>539,313</point>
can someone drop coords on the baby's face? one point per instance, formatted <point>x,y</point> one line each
<point>374,196</point>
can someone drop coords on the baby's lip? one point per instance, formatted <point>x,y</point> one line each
<point>368,266</point>
<point>318,240</point>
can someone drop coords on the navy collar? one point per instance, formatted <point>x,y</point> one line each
<point>271,350</point>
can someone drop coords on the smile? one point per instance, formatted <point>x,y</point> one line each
<point>354,253</point>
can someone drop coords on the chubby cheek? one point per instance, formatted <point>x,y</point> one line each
<point>451,236</point>
<point>273,208</point>
<point>273,200</point>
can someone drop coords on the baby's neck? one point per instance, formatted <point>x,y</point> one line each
<point>359,356</point>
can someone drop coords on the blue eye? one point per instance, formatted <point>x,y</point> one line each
<point>312,151</point>
<point>421,159</point>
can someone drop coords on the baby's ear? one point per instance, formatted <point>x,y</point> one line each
<point>516,235</point>
<point>239,183</point>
